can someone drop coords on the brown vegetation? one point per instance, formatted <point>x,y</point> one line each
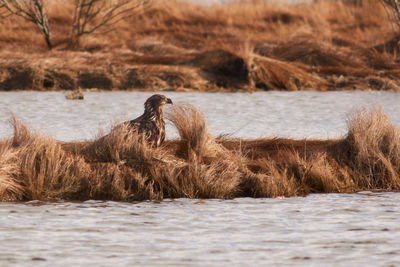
<point>75,95</point>
<point>173,45</point>
<point>120,167</point>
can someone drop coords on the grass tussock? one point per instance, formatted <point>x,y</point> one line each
<point>374,145</point>
<point>37,167</point>
<point>183,46</point>
<point>120,166</point>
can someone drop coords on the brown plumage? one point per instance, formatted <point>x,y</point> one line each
<point>151,124</point>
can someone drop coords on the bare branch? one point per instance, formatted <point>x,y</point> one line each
<point>32,11</point>
<point>90,15</point>
<point>392,8</point>
<point>3,11</point>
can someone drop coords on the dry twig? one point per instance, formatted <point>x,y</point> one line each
<point>32,11</point>
<point>90,15</point>
<point>392,8</point>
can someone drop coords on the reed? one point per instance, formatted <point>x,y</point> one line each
<point>38,168</point>
<point>372,151</point>
<point>120,166</point>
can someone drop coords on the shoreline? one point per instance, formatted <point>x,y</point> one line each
<point>210,71</point>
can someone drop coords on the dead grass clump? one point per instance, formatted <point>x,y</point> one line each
<point>371,151</point>
<point>195,179</point>
<point>10,189</point>
<point>215,180</point>
<point>43,170</point>
<point>119,182</point>
<point>272,74</point>
<point>196,141</point>
<point>210,169</point>
<point>48,173</point>
<point>192,129</point>
<point>273,181</point>
<point>320,174</point>
<point>311,50</point>
<point>75,95</point>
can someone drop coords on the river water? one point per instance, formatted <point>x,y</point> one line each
<point>245,115</point>
<point>360,229</point>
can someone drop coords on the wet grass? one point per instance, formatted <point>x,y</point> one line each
<point>118,166</point>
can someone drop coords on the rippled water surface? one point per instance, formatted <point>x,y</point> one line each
<point>318,230</point>
<point>245,115</point>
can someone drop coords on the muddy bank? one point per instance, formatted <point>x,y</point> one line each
<point>214,70</point>
<point>197,165</point>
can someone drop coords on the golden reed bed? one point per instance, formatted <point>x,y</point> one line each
<point>197,165</point>
<point>184,46</point>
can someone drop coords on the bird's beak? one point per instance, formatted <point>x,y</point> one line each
<point>169,101</point>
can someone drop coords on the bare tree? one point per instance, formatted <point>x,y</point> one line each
<point>392,8</point>
<point>32,11</point>
<point>90,15</point>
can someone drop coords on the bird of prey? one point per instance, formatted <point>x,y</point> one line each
<point>151,125</point>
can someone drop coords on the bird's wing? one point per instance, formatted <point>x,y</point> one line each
<point>150,131</point>
<point>136,122</point>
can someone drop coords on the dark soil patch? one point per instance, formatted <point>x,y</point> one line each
<point>56,80</point>
<point>392,46</point>
<point>17,79</point>
<point>94,80</point>
<point>223,68</point>
<point>133,80</point>
<point>282,17</point>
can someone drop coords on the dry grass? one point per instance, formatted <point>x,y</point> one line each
<point>119,166</point>
<point>176,45</point>
<point>373,146</point>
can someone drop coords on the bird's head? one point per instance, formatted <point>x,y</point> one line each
<point>156,102</point>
